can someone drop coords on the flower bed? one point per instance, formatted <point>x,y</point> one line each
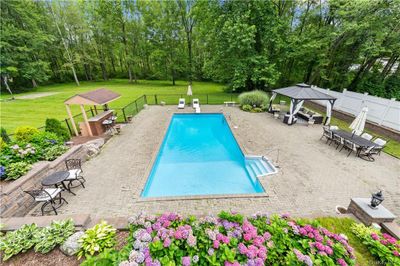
<point>232,239</point>
<point>383,246</point>
<point>29,146</point>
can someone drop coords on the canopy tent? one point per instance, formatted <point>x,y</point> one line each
<point>96,97</point>
<point>300,93</point>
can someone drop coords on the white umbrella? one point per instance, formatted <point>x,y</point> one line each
<point>358,124</point>
<point>189,92</point>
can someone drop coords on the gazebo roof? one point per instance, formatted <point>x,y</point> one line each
<point>303,92</point>
<point>96,97</point>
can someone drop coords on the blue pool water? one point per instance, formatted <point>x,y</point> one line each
<point>200,156</point>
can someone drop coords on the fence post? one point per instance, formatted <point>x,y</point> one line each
<point>155,99</point>
<point>145,99</point>
<point>207,98</point>
<point>123,112</point>
<point>137,111</point>
<point>69,128</point>
<point>91,110</point>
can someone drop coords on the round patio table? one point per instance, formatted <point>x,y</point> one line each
<point>57,178</point>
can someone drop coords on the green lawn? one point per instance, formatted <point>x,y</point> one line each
<point>342,226</point>
<point>33,112</point>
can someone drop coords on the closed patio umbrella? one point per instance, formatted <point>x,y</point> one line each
<point>358,124</point>
<point>189,91</point>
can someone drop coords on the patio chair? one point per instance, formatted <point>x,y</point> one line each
<point>47,196</point>
<point>366,136</point>
<point>338,140</point>
<point>367,154</point>
<point>327,134</point>
<point>333,127</point>
<point>181,104</point>
<point>75,172</point>
<point>350,146</point>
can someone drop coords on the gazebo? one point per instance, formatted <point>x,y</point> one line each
<point>300,93</point>
<point>97,97</point>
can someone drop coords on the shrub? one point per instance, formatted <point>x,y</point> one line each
<point>46,139</point>
<point>18,241</point>
<point>97,239</point>
<point>25,133</point>
<point>247,107</point>
<point>4,135</point>
<point>231,239</point>
<point>257,110</point>
<point>51,153</point>
<point>16,170</point>
<point>53,125</point>
<point>383,246</point>
<point>24,153</point>
<point>254,98</point>
<point>55,234</point>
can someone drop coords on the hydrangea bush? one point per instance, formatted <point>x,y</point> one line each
<point>231,239</point>
<point>383,246</point>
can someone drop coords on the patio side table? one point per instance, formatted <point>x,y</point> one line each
<point>57,178</point>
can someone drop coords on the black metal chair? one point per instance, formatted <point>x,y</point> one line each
<point>327,134</point>
<point>338,140</point>
<point>367,154</point>
<point>350,146</point>
<point>74,167</point>
<point>48,196</point>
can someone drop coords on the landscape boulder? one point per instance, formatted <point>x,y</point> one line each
<point>71,246</point>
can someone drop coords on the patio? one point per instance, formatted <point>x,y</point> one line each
<point>313,177</point>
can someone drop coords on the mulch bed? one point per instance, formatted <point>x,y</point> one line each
<point>54,257</point>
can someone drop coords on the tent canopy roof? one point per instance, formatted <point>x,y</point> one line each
<point>96,97</point>
<point>303,92</point>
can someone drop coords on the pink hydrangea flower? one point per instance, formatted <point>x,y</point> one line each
<point>186,261</point>
<point>216,244</point>
<point>374,236</point>
<point>167,242</point>
<point>396,253</point>
<point>341,262</point>
<point>242,248</point>
<point>267,236</point>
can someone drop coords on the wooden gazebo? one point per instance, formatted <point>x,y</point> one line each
<point>95,98</point>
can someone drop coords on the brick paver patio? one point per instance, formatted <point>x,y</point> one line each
<point>313,178</point>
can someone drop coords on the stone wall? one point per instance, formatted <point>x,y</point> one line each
<point>14,201</point>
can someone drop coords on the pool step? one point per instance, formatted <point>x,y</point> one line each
<point>258,167</point>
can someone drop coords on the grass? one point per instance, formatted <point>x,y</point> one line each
<point>33,112</point>
<point>343,225</point>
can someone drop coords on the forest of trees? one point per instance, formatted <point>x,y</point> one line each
<point>353,44</point>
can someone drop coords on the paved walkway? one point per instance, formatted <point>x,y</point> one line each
<point>313,177</point>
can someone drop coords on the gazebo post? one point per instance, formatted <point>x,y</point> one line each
<point>86,120</point>
<point>72,119</point>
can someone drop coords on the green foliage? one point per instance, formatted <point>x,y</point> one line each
<point>45,139</point>
<point>18,241</point>
<point>54,126</point>
<point>53,235</point>
<point>247,107</point>
<point>383,246</point>
<point>51,153</point>
<point>16,170</point>
<point>25,133</point>
<point>4,135</point>
<point>97,239</point>
<point>254,99</point>
<point>231,217</point>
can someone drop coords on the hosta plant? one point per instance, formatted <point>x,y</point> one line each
<point>383,246</point>
<point>18,241</point>
<point>97,239</point>
<point>53,235</point>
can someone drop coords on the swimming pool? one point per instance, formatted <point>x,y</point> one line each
<point>200,156</point>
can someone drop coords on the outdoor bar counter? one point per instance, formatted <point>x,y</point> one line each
<point>96,123</point>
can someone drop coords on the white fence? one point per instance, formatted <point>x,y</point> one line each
<point>385,112</point>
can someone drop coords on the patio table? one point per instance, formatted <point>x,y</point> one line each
<point>57,178</point>
<point>359,141</point>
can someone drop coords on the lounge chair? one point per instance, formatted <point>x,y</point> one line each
<point>181,104</point>
<point>366,136</point>
<point>195,103</point>
<point>380,142</point>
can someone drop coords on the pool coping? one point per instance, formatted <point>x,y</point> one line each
<point>200,197</point>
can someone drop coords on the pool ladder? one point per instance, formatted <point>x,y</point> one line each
<point>276,162</point>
